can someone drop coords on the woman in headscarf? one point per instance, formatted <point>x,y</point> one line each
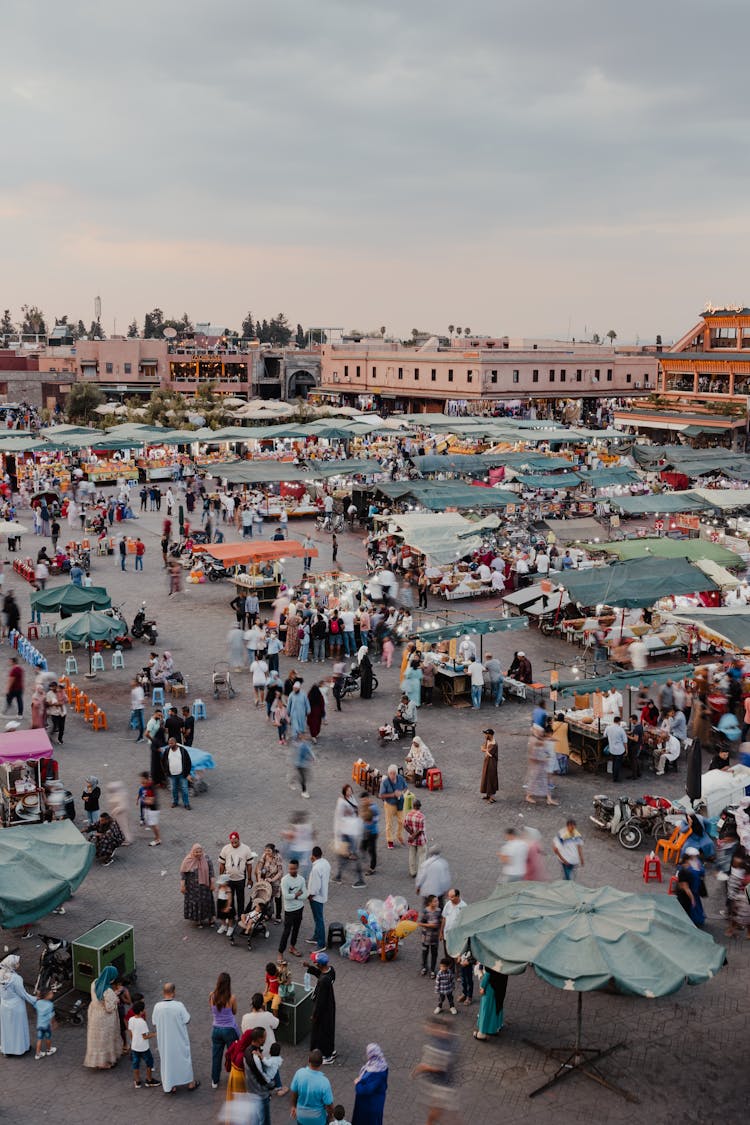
<point>14,1023</point>
<point>293,622</point>
<point>317,702</point>
<point>490,1016</point>
<point>234,1064</point>
<point>197,886</point>
<point>537,781</point>
<point>365,673</point>
<point>371,1086</point>
<point>419,759</point>
<point>38,708</point>
<point>103,1045</point>
<point>411,682</point>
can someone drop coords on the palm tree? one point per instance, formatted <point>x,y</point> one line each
<point>382,330</point>
<point>611,335</point>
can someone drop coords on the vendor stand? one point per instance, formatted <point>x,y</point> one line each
<point>452,679</point>
<point>22,795</point>
<point>252,559</point>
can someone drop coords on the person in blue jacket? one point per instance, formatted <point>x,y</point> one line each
<point>371,1086</point>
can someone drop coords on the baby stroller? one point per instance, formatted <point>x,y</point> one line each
<point>222,680</point>
<point>256,919</point>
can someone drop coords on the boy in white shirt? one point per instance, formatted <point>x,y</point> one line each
<point>140,1052</point>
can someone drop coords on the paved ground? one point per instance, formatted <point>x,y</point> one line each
<point>387,1003</point>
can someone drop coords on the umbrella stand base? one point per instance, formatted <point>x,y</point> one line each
<point>89,675</point>
<point>578,1060</point>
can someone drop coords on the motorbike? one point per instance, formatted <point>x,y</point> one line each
<point>630,820</point>
<point>55,974</point>
<point>214,571</point>
<point>142,628</point>
<point>123,641</point>
<point>351,682</point>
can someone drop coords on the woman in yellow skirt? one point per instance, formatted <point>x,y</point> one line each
<point>235,1064</point>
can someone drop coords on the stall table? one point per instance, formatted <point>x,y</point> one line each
<point>454,684</point>
<point>587,742</point>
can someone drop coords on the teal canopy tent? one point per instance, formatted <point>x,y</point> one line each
<point>626,679</point>
<point>730,625</point>
<point>87,628</point>
<point>476,626</point>
<point>582,939</point>
<point>70,599</point>
<point>550,481</point>
<point>634,584</point>
<point>659,503</point>
<point>258,472</point>
<point>41,866</point>
<point>348,468</point>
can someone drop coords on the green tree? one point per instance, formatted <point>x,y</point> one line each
<point>32,323</point>
<point>153,325</point>
<point>80,330</point>
<point>611,335</point>
<point>82,399</point>
<point>299,337</point>
<point>133,329</point>
<point>279,331</point>
<point>7,327</point>
<point>95,331</point>
<point>248,328</point>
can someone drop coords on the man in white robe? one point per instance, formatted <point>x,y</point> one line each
<point>171,1018</point>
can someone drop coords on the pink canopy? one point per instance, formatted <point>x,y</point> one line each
<point>20,745</point>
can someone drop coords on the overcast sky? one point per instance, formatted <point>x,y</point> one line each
<point>530,167</point>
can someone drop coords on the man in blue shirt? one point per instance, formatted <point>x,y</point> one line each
<point>312,1096</point>
<point>392,795</point>
<point>617,744</point>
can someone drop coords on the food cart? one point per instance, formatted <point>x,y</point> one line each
<point>253,561</point>
<point>22,792</point>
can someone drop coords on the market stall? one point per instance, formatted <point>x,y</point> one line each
<point>259,564</point>
<point>451,675</point>
<point>21,776</point>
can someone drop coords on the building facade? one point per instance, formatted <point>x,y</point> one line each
<point>475,376</point>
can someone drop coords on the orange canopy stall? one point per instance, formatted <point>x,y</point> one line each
<point>244,554</point>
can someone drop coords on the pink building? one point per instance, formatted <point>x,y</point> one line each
<point>478,374</point>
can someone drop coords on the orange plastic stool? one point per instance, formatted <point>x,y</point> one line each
<point>89,710</point>
<point>63,681</point>
<point>672,885</point>
<point>100,720</point>
<point>434,779</point>
<point>651,870</point>
<point>72,692</point>
<point>82,701</point>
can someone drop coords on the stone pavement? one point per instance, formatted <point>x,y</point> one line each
<point>384,1002</point>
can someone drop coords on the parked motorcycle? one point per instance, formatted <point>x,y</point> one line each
<point>632,820</point>
<point>351,682</point>
<point>143,628</point>
<point>214,571</point>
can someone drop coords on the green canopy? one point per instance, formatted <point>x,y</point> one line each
<point>468,464</point>
<point>91,626</point>
<point>605,478</point>
<point>548,480</point>
<point>665,548</point>
<point>626,679</point>
<point>659,503</point>
<point>731,625</point>
<point>41,866</point>
<point>437,495</point>
<point>479,627</point>
<point>70,598</point>
<point>581,938</point>
<point>257,472</point>
<point>634,584</point>
<point>349,467</point>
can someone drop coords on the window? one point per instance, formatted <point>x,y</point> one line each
<point>128,367</point>
<point>450,374</point>
<point>551,374</point>
<point>400,372</point>
<point>645,377</point>
<point>579,375</point>
<point>562,374</point>
<point>346,370</point>
<point>597,373</point>
<point>628,378</point>
<point>374,372</point>
<point>469,377</point>
<point>416,374</point>
<point>535,375</point>
<point>108,368</point>
<point>609,375</point>
<point>493,376</point>
<point>358,371</point>
<point>516,376</point>
<point>433,375</point>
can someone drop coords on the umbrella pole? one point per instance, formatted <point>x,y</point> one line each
<point>579,1059</point>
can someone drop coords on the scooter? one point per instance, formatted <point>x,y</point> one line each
<point>143,629</point>
<point>616,816</point>
<point>351,681</point>
<point>214,571</point>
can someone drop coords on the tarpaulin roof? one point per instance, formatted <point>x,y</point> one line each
<point>435,535</point>
<point>626,679</point>
<point>41,866</point>
<point>724,498</point>
<point>242,554</point>
<point>666,548</point>
<point>20,745</point>
<point>571,531</point>
<point>257,472</point>
<point>474,464</point>
<point>476,626</point>
<point>659,503</point>
<point>606,478</point>
<point>581,939</point>
<point>437,495</point>
<point>548,480</point>
<point>74,599</point>
<point>350,467</point>
<point>731,624</point>
<point>635,583</point>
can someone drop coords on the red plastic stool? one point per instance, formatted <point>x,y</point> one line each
<point>32,631</point>
<point>651,869</point>
<point>672,885</point>
<point>434,779</point>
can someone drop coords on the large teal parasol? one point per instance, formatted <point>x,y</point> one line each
<point>70,599</point>
<point>86,628</point>
<point>582,939</point>
<point>41,866</point>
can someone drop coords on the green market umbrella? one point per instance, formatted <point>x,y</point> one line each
<point>41,866</point>
<point>70,599</point>
<point>582,939</point>
<point>86,628</point>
